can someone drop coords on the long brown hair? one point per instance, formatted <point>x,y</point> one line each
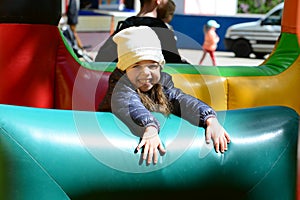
<point>155,100</point>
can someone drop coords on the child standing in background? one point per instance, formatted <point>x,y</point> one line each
<point>211,40</point>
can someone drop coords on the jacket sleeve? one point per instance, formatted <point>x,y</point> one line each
<point>127,106</point>
<point>186,106</point>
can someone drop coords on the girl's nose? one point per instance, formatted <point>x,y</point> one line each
<point>146,70</point>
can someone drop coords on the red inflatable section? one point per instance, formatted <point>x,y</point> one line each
<point>26,71</point>
<point>37,70</point>
<point>77,87</point>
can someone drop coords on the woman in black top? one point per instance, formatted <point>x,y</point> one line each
<point>146,17</point>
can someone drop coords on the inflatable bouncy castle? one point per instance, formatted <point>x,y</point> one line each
<point>55,146</point>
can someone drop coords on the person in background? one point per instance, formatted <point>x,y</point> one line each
<point>72,19</point>
<point>147,16</point>
<point>106,2</point>
<point>139,87</point>
<point>211,40</point>
<point>167,14</point>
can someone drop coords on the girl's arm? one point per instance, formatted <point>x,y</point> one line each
<point>127,106</point>
<point>186,106</point>
<point>198,113</point>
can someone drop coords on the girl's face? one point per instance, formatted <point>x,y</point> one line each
<point>144,74</point>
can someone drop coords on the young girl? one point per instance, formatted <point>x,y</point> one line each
<point>211,40</point>
<point>138,87</point>
<point>167,13</point>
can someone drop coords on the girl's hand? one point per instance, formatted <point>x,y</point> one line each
<point>217,133</point>
<point>151,143</point>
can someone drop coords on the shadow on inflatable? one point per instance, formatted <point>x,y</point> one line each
<point>55,146</point>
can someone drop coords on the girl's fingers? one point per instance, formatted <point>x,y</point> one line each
<point>150,155</point>
<point>217,146</point>
<point>155,157</point>
<point>150,151</point>
<point>161,148</point>
<point>208,137</point>
<point>146,149</point>
<point>222,145</point>
<point>227,137</point>
<point>140,145</point>
<point>225,144</point>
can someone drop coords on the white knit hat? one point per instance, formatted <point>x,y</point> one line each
<point>136,44</point>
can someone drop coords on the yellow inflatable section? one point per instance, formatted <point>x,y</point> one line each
<point>275,82</point>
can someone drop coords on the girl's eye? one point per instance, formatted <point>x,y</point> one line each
<point>149,66</point>
<point>136,66</point>
<point>153,66</point>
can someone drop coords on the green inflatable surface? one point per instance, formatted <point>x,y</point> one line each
<point>63,154</point>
